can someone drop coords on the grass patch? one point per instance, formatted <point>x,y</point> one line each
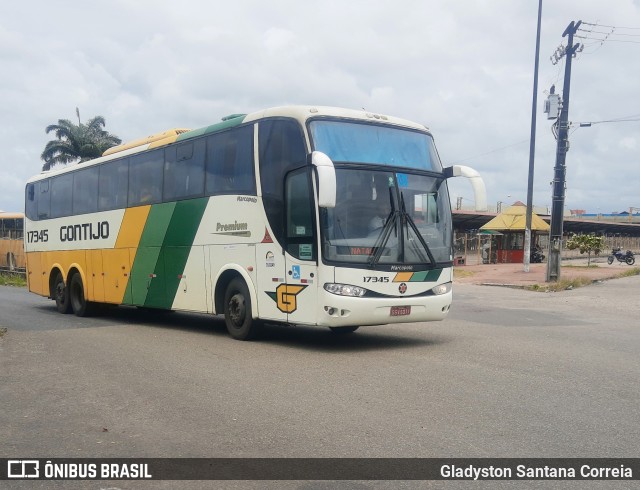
<point>634,271</point>
<point>579,282</point>
<point>592,266</point>
<point>561,285</point>
<point>12,279</point>
<point>3,330</point>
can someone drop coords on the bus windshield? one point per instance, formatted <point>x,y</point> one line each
<point>351,142</point>
<point>387,218</point>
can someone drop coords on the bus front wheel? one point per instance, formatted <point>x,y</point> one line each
<point>79,303</point>
<point>237,311</point>
<point>61,294</point>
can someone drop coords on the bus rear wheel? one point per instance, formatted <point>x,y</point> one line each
<point>237,311</point>
<point>79,303</point>
<point>60,294</point>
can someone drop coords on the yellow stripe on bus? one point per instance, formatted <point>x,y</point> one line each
<point>118,261</point>
<point>132,227</point>
<point>403,277</point>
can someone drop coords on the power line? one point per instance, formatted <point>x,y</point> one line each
<point>597,35</point>
<point>591,123</point>
<point>612,27</point>
<point>608,40</point>
<point>610,33</point>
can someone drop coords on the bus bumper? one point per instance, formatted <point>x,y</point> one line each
<point>341,311</point>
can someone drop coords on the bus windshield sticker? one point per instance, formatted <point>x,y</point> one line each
<point>403,180</point>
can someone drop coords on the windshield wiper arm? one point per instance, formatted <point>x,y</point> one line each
<point>383,238</point>
<point>385,233</point>
<point>409,220</point>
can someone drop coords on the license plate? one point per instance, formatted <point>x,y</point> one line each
<point>400,310</point>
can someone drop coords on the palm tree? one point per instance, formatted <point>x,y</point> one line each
<point>77,142</point>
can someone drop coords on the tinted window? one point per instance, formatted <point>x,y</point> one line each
<point>299,215</point>
<point>61,195</point>
<point>113,186</point>
<point>43,196</point>
<point>230,162</point>
<point>145,178</point>
<point>184,170</point>
<point>282,148</point>
<point>31,204</point>
<point>85,191</point>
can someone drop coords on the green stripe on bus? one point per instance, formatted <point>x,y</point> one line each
<point>145,265</point>
<point>214,128</point>
<point>164,248</point>
<point>426,276</point>
<point>178,242</point>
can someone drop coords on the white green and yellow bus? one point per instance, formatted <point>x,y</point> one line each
<point>302,215</point>
<point>11,242</point>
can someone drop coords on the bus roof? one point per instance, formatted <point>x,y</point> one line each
<point>302,113</point>
<point>299,112</point>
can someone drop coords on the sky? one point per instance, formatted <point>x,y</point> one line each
<point>463,68</point>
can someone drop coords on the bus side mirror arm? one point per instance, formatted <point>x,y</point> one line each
<point>479,189</point>
<point>326,173</point>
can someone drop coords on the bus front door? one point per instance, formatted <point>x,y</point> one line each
<point>300,297</point>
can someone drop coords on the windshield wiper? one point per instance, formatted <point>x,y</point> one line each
<point>413,226</point>
<point>405,221</point>
<point>385,233</point>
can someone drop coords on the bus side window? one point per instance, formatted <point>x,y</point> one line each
<point>85,191</point>
<point>184,170</point>
<point>145,177</point>
<point>230,162</point>
<point>31,204</point>
<point>282,148</point>
<point>43,196</point>
<point>113,185</point>
<point>62,195</point>
<point>19,228</point>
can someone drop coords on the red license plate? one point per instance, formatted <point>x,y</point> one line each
<point>400,310</point>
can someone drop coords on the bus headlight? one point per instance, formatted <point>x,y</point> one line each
<point>442,289</point>
<point>344,289</point>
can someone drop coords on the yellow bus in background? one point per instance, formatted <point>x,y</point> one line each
<point>12,242</point>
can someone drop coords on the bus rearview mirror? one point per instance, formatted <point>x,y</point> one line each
<point>479,189</point>
<point>326,179</point>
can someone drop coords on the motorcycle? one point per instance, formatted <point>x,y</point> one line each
<point>536,257</point>
<point>618,255</point>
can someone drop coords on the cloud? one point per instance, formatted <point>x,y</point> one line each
<point>465,69</point>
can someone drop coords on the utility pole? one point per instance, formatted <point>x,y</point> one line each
<point>560,169</point>
<point>532,149</point>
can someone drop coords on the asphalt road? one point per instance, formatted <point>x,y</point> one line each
<point>510,373</point>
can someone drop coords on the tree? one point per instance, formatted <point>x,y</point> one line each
<point>77,142</point>
<point>587,244</point>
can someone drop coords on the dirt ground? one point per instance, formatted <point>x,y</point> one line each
<point>514,275</point>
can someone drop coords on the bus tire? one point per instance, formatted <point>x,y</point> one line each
<point>237,311</point>
<point>79,303</point>
<point>343,330</point>
<point>60,294</point>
